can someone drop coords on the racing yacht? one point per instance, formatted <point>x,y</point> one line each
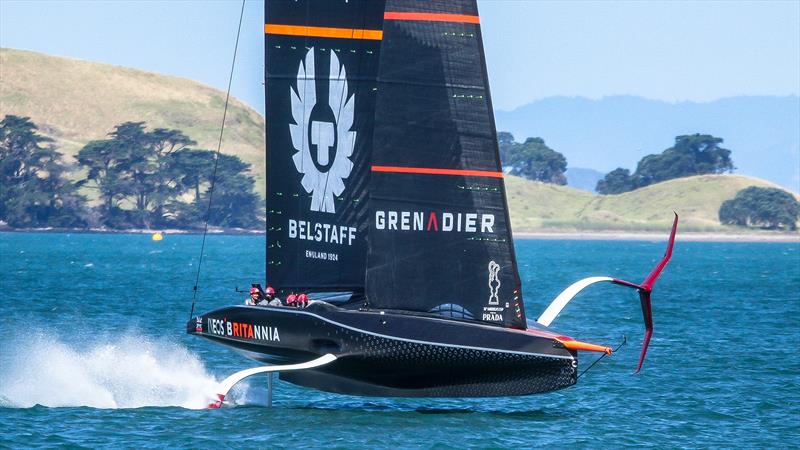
<point>386,203</point>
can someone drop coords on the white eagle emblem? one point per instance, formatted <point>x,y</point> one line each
<point>333,141</point>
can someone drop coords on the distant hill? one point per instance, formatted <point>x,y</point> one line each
<point>583,179</point>
<point>537,206</point>
<point>762,132</point>
<point>76,101</point>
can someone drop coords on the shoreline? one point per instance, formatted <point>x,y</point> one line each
<point>688,236</point>
<point>608,235</point>
<point>165,231</point>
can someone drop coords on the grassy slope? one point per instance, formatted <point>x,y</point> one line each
<point>76,101</point>
<point>537,206</point>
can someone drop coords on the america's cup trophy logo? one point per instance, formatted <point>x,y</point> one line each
<point>321,133</point>
<point>494,283</point>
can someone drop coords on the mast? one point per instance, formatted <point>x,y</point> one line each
<point>440,236</point>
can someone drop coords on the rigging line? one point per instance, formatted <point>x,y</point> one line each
<point>624,340</point>
<point>216,163</point>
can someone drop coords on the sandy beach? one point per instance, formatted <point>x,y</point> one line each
<point>685,237</point>
<point>544,235</point>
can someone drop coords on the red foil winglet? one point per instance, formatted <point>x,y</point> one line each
<point>217,404</point>
<point>647,287</point>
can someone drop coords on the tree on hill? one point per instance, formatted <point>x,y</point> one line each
<point>34,191</point>
<point>233,202</point>
<point>769,208</point>
<point>137,166</point>
<point>142,177</point>
<point>198,168</point>
<point>532,159</point>
<point>695,154</point>
<point>101,158</point>
<point>506,143</point>
<point>163,179</point>
<point>617,181</point>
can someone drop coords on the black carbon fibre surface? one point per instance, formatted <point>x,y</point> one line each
<point>378,358</point>
<point>394,368</point>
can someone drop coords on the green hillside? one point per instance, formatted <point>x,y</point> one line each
<point>538,206</point>
<point>76,101</point>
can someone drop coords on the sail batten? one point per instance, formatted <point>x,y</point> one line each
<point>438,171</point>
<point>431,17</point>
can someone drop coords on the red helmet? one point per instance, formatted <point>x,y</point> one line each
<point>291,299</point>
<point>302,298</point>
<point>270,290</point>
<point>253,291</point>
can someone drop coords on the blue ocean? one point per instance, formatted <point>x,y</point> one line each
<point>93,353</point>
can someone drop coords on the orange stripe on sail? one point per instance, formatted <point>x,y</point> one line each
<point>433,171</point>
<point>431,17</point>
<point>325,32</point>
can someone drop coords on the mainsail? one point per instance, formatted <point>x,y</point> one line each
<point>321,69</point>
<point>439,238</point>
<point>383,159</point>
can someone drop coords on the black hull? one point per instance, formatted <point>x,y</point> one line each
<point>390,354</point>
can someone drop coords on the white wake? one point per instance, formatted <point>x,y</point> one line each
<point>130,372</point>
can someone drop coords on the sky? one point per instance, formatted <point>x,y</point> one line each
<point>665,50</point>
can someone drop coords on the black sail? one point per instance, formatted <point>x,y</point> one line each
<point>321,67</point>
<point>440,238</point>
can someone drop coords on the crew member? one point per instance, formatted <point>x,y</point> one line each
<point>272,300</point>
<point>291,300</point>
<point>255,298</point>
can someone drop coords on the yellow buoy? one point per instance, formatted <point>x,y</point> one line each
<point>157,236</point>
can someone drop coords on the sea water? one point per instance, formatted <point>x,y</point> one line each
<point>94,353</point>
